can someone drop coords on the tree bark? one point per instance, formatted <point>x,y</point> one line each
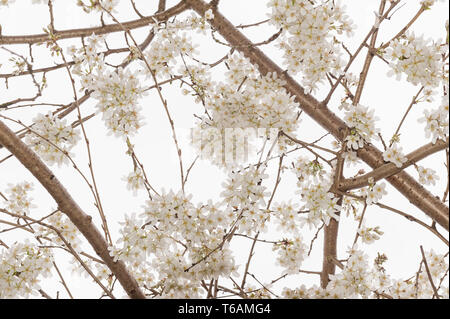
<point>329,251</point>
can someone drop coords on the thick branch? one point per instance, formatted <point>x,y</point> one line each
<point>390,169</point>
<point>329,250</point>
<point>403,182</point>
<point>369,57</point>
<point>84,32</point>
<point>68,206</point>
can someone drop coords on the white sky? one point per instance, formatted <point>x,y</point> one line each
<point>154,146</point>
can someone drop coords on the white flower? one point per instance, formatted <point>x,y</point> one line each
<point>117,94</point>
<point>350,158</point>
<point>427,176</point>
<point>308,171</point>
<point>309,38</point>
<point>19,201</point>
<point>369,235</point>
<point>320,204</point>
<point>374,193</point>
<point>135,180</point>
<point>354,280</point>
<point>21,266</point>
<point>420,59</point>
<point>287,217</point>
<point>67,229</point>
<point>437,124</point>
<point>362,122</point>
<point>245,104</point>
<point>52,138</point>
<point>209,15</point>
<point>291,254</point>
<point>394,154</point>
<point>354,141</point>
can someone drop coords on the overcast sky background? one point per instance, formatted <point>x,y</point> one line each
<point>155,148</point>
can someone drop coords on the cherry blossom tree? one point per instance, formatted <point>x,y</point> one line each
<point>284,164</point>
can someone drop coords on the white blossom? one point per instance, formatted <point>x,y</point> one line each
<point>309,36</point>
<point>21,268</point>
<point>52,138</point>
<point>369,234</point>
<point>419,58</point>
<point>437,120</point>
<point>427,176</point>
<point>395,155</point>
<point>374,193</point>
<point>19,202</point>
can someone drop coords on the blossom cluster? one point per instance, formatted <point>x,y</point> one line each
<point>246,100</point>
<point>374,192</point>
<point>21,266</point>
<point>164,50</point>
<point>66,229</point>
<point>135,180</point>
<point>395,155</point>
<point>359,280</point>
<point>183,243</point>
<point>369,234</point>
<point>287,217</point>
<point>244,195</point>
<point>107,5</point>
<point>309,37</point>
<point>422,288</point>
<point>52,138</point>
<point>320,204</point>
<point>361,120</point>
<point>420,59</point>
<point>117,92</point>
<point>308,171</point>
<point>354,280</point>
<point>291,254</point>
<point>19,201</point>
<point>314,184</point>
<point>437,120</point>
<point>427,176</point>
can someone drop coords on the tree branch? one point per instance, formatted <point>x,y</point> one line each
<point>68,206</point>
<point>85,32</point>
<point>390,169</point>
